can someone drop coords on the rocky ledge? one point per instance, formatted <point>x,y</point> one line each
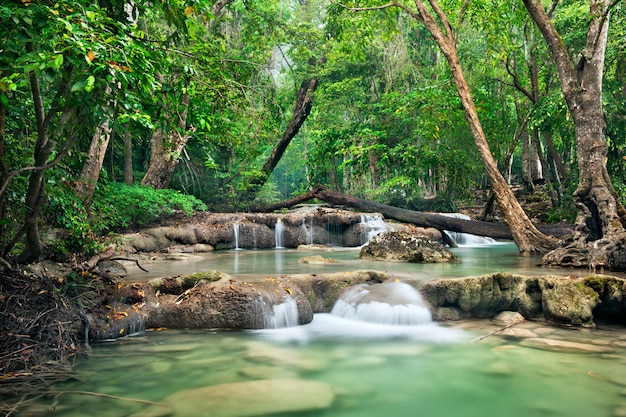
<point>215,300</point>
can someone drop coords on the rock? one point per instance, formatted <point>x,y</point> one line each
<point>508,317</point>
<point>568,301</point>
<point>227,304</point>
<point>243,399</point>
<point>563,345</point>
<point>449,314</point>
<point>517,333</point>
<point>405,247</point>
<point>620,411</point>
<point>316,260</point>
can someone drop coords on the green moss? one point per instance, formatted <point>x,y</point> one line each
<point>595,283</point>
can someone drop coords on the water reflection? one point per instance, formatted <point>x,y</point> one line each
<point>257,264</point>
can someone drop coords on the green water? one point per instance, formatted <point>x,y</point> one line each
<point>373,370</point>
<point>255,264</point>
<point>400,377</point>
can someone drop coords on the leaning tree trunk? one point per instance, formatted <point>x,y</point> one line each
<point>600,237</point>
<point>86,184</point>
<point>302,109</point>
<point>166,146</point>
<point>528,238</point>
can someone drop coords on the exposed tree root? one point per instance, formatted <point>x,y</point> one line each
<point>598,255</point>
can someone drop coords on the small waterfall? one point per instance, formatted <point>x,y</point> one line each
<point>254,238</point>
<point>466,239</point>
<point>373,224</point>
<point>393,303</point>
<point>281,315</point>
<point>278,233</point>
<point>236,232</point>
<point>308,231</point>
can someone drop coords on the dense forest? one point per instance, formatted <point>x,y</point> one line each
<point>112,113</point>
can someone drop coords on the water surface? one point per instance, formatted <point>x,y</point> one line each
<point>374,370</point>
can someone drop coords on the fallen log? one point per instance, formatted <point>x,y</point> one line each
<point>418,218</point>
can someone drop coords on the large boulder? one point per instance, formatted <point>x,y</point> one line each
<point>561,300</point>
<point>246,399</point>
<point>401,246</point>
<point>226,303</point>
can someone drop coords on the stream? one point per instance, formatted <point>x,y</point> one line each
<point>339,367</point>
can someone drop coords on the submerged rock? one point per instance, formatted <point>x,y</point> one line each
<point>564,345</point>
<point>405,247</point>
<point>246,399</point>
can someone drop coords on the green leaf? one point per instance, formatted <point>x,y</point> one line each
<point>78,86</point>
<point>58,61</point>
<point>91,80</point>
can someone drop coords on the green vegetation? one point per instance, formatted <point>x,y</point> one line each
<point>192,97</point>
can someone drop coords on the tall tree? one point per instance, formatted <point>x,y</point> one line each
<point>600,238</point>
<point>527,237</point>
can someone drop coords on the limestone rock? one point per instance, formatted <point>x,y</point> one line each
<point>405,247</point>
<point>317,260</point>
<point>246,399</point>
<point>568,301</point>
<point>564,345</point>
<point>508,317</point>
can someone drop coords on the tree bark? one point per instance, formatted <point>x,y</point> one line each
<point>166,145</point>
<point>128,155</point>
<point>302,109</point>
<point>527,237</point>
<point>90,173</point>
<point>601,223</point>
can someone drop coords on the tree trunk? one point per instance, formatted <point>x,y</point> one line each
<point>90,173</point>
<point>600,236</point>
<point>490,229</point>
<point>302,109</point>
<point>528,239</point>
<point>128,155</point>
<point>166,146</point>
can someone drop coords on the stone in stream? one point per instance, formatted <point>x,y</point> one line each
<point>564,345</point>
<point>245,399</point>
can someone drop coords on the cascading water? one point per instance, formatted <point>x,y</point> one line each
<point>236,233</point>
<point>281,315</point>
<point>393,303</point>
<point>373,224</point>
<point>466,239</point>
<point>278,233</point>
<point>308,231</point>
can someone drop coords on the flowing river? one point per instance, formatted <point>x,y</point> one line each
<point>336,366</point>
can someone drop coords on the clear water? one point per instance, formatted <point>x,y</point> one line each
<point>374,369</point>
<point>258,264</point>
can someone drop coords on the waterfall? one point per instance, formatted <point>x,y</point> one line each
<point>308,231</point>
<point>466,239</point>
<point>393,303</point>
<point>372,224</point>
<point>236,232</point>
<point>278,233</point>
<point>281,315</point>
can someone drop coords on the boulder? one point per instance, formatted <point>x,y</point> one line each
<point>561,300</point>
<point>227,304</point>
<point>568,301</point>
<point>246,399</point>
<point>405,247</point>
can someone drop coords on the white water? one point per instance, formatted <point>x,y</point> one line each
<point>278,233</point>
<point>466,239</point>
<point>236,232</point>
<point>373,225</point>
<point>281,315</point>
<point>308,231</point>
<point>393,310</point>
<point>393,303</point>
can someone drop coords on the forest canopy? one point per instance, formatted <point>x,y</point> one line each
<point>227,104</point>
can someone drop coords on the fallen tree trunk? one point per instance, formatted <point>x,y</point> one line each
<point>438,221</point>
